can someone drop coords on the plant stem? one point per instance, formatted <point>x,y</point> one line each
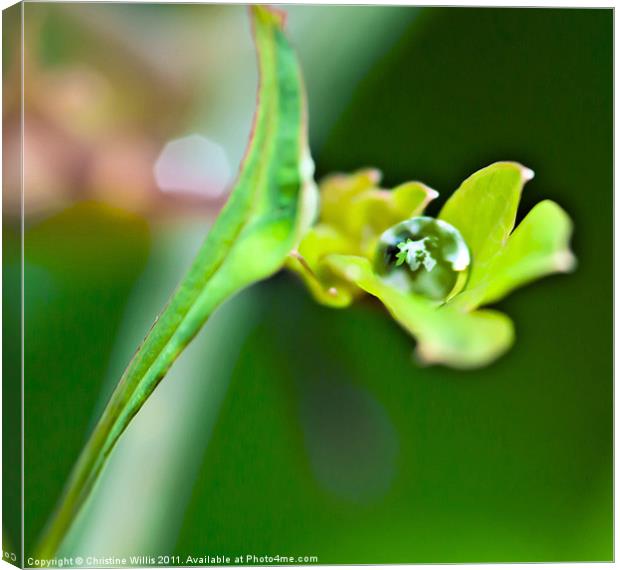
<point>250,240</point>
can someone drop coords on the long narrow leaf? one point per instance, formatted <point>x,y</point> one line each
<point>270,206</point>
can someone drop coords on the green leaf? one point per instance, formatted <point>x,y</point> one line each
<point>270,207</point>
<point>538,247</point>
<point>484,209</point>
<point>444,334</point>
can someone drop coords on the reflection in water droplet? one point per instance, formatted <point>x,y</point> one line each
<point>425,256</point>
<point>351,440</point>
<point>193,164</point>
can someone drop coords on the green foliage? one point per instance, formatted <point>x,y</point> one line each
<point>483,210</point>
<point>536,248</point>
<point>270,215</point>
<point>444,334</point>
<point>270,206</point>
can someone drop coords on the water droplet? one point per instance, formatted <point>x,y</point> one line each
<point>425,256</point>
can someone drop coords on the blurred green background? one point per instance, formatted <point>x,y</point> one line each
<point>288,428</point>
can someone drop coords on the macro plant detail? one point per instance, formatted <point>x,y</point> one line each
<point>432,255</point>
<point>434,274</point>
<point>349,239</point>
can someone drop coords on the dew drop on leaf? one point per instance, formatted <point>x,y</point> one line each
<point>425,256</point>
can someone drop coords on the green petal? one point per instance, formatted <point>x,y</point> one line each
<point>326,287</point>
<point>538,247</point>
<point>355,205</point>
<point>484,209</point>
<point>445,335</point>
<point>338,190</point>
<point>372,212</point>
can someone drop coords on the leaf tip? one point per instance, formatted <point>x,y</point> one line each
<point>424,355</point>
<point>374,175</point>
<point>527,174</point>
<point>564,261</point>
<point>269,13</point>
<point>431,194</point>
